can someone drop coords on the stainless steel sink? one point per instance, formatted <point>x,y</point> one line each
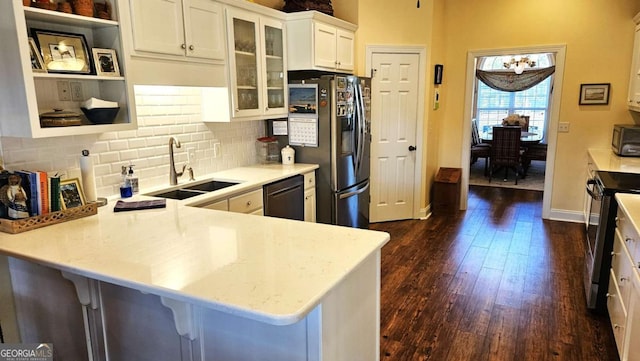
<point>178,194</point>
<point>193,190</point>
<point>211,186</point>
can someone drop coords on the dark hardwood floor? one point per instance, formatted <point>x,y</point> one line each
<point>495,282</point>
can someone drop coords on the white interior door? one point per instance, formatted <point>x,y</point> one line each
<point>394,115</point>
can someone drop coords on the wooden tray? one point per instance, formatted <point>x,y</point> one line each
<point>27,224</point>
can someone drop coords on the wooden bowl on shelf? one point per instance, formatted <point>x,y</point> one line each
<point>60,118</point>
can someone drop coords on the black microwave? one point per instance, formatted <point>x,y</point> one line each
<point>626,140</point>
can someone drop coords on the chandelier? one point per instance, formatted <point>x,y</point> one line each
<point>519,64</point>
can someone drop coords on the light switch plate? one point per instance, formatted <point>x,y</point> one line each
<point>64,91</point>
<point>76,91</point>
<point>191,155</point>
<point>563,127</point>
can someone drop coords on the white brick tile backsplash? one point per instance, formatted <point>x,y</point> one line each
<point>118,145</point>
<point>109,157</point>
<point>162,112</point>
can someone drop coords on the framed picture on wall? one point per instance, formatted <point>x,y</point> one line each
<point>594,94</point>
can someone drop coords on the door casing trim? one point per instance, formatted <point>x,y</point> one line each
<point>554,116</point>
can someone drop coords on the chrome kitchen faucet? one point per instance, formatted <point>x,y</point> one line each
<point>173,175</point>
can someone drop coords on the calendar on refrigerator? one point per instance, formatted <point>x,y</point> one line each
<point>303,131</point>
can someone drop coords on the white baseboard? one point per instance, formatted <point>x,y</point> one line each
<point>555,215</point>
<point>425,213</point>
<point>566,216</point>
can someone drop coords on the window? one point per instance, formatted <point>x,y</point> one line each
<point>494,105</point>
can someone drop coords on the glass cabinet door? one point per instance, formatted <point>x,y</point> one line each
<point>274,72</point>
<point>246,65</point>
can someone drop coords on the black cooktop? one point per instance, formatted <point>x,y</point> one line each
<point>618,182</point>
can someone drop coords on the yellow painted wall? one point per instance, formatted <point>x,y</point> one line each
<point>599,39</point>
<point>598,35</point>
<point>274,4</point>
<point>401,23</point>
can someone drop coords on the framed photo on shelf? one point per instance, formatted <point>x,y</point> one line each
<point>63,52</point>
<point>594,94</point>
<point>71,194</point>
<point>37,65</point>
<point>106,62</point>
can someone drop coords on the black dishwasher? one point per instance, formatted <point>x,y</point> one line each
<point>285,198</point>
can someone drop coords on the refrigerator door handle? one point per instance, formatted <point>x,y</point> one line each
<point>361,127</point>
<point>333,137</point>
<point>351,194</point>
<point>356,131</point>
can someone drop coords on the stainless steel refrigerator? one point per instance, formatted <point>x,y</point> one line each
<point>329,125</point>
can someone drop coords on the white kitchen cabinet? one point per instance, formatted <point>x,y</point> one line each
<point>617,312</point>
<point>633,323</point>
<point>317,41</point>
<point>634,76</point>
<point>310,197</point>
<point>222,205</point>
<point>250,202</point>
<point>182,28</point>
<point>25,93</point>
<point>257,65</point>
<point>623,298</point>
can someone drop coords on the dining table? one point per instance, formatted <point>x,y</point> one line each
<point>526,138</point>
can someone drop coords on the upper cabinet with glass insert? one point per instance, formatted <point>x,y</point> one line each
<point>69,73</point>
<point>257,63</point>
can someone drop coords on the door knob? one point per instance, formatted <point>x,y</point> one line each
<point>412,148</point>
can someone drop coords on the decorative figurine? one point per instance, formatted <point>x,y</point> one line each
<point>15,198</point>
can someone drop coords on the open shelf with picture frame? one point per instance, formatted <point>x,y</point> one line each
<point>57,77</point>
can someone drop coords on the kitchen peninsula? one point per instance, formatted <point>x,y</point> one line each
<point>185,283</point>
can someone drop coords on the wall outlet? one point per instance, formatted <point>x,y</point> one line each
<point>216,148</point>
<point>76,91</point>
<point>64,91</point>
<point>191,155</point>
<point>563,127</point>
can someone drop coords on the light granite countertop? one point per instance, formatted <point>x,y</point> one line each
<point>267,269</point>
<point>606,160</point>
<point>630,203</point>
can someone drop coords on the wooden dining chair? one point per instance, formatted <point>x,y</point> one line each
<point>479,149</point>
<point>505,151</point>
<point>533,152</point>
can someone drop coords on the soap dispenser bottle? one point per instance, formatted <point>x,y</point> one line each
<point>125,187</point>
<point>133,180</point>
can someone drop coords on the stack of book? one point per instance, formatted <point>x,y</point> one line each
<point>42,191</point>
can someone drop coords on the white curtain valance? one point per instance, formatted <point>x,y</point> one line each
<point>509,81</point>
